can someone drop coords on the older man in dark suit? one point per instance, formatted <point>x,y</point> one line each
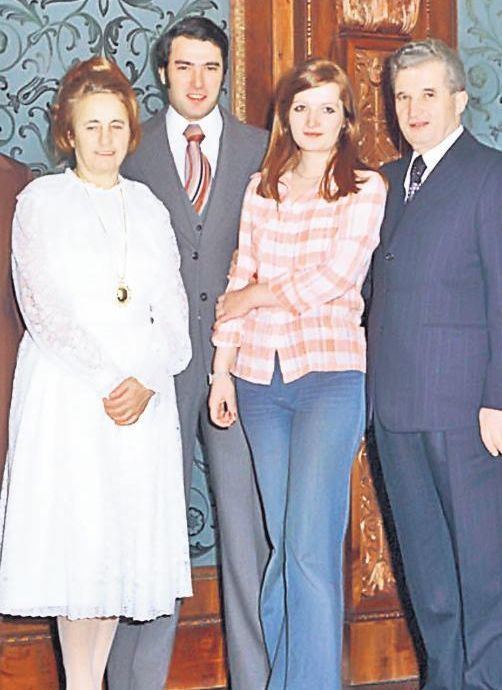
<point>435,372</point>
<point>13,177</point>
<point>197,158</point>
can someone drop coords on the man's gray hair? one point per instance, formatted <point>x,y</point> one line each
<point>417,52</point>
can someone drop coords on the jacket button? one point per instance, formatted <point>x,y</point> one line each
<point>198,228</point>
<point>195,256</point>
<point>389,256</point>
<point>203,296</point>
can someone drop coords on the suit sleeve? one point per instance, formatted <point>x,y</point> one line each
<point>131,169</point>
<point>171,348</point>
<point>228,334</point>
<point>488,220</point>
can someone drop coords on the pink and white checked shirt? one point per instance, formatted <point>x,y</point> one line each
<point>314,256</point>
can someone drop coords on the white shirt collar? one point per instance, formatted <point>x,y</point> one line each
<point>434,155</point>
<point>211,125</point>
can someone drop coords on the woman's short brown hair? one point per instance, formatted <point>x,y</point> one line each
<point>96,75</point>
<point>340,176</point>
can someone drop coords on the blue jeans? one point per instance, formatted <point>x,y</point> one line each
<point>303,436</point>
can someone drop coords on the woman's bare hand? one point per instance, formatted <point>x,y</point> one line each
<point>233,304</point>
<point>222,402</point>
<point>127,402</point>
<point>237,303</point>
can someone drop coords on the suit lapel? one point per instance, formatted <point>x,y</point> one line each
<point>441,184</point>
<point>395,200</point>
<point>230,150</point>
<point>166,183</point>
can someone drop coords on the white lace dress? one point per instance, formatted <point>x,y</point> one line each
<point>92,515</point>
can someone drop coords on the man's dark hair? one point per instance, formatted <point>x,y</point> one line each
<point>200,28</point>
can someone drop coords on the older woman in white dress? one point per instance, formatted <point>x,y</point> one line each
<point>92,514</point>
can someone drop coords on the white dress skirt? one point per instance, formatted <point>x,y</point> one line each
<point>92,515</point>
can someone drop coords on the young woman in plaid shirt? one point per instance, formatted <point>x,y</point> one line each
<point>289,329</point>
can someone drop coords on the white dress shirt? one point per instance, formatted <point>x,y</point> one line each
<point>211,125</point>
<point>432,157</point>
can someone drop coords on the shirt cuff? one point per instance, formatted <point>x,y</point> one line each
<point>224,338</point>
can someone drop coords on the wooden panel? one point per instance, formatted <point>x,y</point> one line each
<point>283,38</point>
<point>27,660</point>
<point>257,49</point>
<point>199,659</point>
<point>365,62</point>
<point>199,652</point>
<point>377,658</point>
<point>437,20</point>
<point>313,38</point>
<point>377,643</point>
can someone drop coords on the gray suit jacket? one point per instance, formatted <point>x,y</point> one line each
<point>206,243</point>
<point>435,323</point>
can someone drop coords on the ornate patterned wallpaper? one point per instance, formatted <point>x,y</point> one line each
<point>480,44</point>
<point>39,40</point>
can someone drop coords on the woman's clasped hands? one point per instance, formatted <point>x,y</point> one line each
<point>127,402</point>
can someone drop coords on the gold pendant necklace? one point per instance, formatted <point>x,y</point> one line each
<point>123,291</point>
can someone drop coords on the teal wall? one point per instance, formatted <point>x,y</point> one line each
<point>480,45</point>
<point>39,41</point>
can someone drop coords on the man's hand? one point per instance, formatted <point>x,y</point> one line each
<point>127,402</point>
<point>490,427</point>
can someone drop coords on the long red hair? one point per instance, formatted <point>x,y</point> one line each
<point>283,154</point>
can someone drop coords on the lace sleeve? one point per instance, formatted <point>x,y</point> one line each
<point>172,349</point>
<point>49,320</point>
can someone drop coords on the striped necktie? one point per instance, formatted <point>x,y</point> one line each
<point>197,169</point>
<point>418,168</point>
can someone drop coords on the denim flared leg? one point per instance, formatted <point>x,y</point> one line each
<point>303,437</point>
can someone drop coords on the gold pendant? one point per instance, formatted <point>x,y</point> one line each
<point>123,294</point>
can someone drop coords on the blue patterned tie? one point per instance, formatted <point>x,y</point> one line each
<point>417,170</point>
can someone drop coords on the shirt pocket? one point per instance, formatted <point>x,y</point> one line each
<point>315,243</point>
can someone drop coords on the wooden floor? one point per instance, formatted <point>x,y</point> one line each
<point>398,685</point>
<point>406,685</point>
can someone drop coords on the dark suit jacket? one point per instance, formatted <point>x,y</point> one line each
<point>435,323</point>
<point>206,244</point>
<point>13,177</point>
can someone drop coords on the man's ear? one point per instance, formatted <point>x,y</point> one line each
<point>162,75</point>
<point>461,100</point>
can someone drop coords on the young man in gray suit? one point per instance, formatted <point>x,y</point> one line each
<point>192,60</point>
<point>435,369</point>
